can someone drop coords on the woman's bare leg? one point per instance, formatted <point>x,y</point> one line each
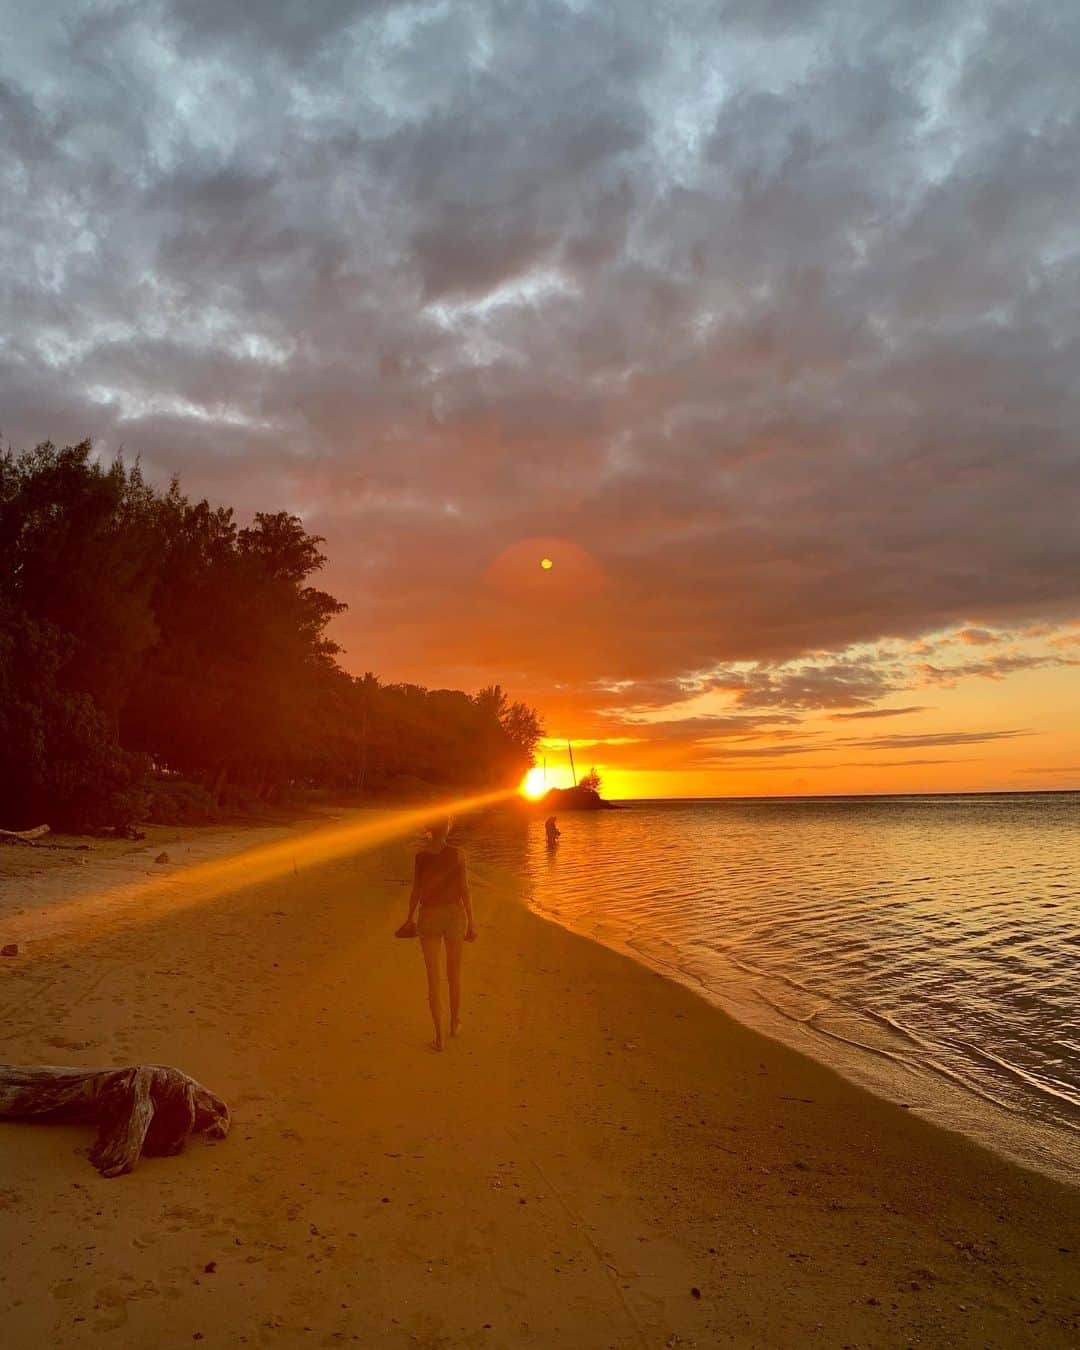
<point>432,947</point>
<point>454,947</point>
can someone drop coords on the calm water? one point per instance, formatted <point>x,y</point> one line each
<point>928,946</point>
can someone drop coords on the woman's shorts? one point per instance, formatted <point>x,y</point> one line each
<point>442,921</point>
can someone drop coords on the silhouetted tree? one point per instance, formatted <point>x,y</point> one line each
<point>60,761</point>
<point>79,548</point>
<point>138,628</point>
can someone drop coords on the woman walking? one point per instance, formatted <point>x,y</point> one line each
<point>441,893</point>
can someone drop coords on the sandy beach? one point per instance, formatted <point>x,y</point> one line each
<point>601,1160</point>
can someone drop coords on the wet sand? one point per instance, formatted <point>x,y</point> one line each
<point>601,1160</point>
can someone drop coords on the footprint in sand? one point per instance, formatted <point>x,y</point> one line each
<point>186,1217</point>
<point>59,1043</point>
<point>111,1303</point>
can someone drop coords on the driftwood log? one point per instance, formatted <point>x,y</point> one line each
<point>145,1108</point>
<point>35,838</point>
<point>24,836</point>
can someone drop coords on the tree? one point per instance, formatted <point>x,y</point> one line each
<point>243,678</point>
<point>60,761</point>
<point>590,782</point>
<point>79,545</point>
<point>139,629</point>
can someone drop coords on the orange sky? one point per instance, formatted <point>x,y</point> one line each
<point>968,708</point>
<point>1042,705</point>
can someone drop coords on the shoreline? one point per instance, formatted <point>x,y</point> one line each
<point>49,881</point>
<point>600,1144</point>
<point>928,1091</point>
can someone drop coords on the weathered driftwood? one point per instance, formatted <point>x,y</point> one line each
<point>35,838</point>
<point>24,836</point>
<point>145,1108</point>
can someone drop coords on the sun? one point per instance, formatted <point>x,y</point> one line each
<point>533,785</point>
<point>546,564</point>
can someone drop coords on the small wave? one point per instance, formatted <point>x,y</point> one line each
<point>812,920</point>
<point>1063,1093</point>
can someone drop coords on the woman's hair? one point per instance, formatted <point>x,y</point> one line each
<point>440,826</point>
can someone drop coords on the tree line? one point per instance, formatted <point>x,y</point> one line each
<point>153,651</point>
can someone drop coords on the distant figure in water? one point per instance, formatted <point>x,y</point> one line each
<point>441,891</point>
<point>552,831</point>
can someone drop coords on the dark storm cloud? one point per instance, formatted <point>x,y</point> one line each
<point>292,31</point>
<point>770,307</point>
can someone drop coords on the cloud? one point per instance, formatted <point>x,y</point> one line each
<point>760,752</point>
<point>764,309</point>
<point>704,743</point>
<point>707,727</point>
<point>993,667</point>
<point>876,712</point>
<point>833,684</point>
<point>898,742</point>
<point>895,763</point>
<point>929,739</point>
<point>691,742</point>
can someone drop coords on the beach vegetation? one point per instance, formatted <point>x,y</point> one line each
<point>160,660</point>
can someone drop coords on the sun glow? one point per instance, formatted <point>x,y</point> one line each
<point>533,784</point>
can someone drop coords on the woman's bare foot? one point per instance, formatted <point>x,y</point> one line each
<point>455,1027</point>
<point>436,1044</point>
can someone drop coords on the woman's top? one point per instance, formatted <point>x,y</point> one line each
<point>440,877</point>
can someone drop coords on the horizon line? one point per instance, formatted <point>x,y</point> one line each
<point>817,796</point>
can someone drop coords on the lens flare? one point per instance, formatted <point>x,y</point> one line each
<point>204,883</point>
<point>533,785</point>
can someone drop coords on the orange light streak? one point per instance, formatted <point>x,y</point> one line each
<point>183,889</point>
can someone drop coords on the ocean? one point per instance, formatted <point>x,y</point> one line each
<point>926,946</point>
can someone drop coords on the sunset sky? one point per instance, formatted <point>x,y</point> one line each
<point>759,319</point>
